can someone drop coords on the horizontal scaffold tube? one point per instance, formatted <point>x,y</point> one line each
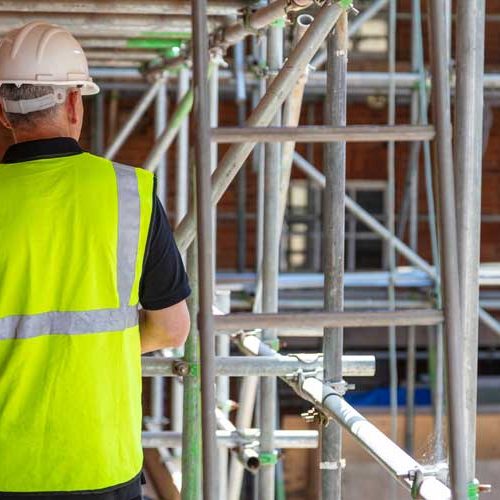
<point>321,133</point>
<point>240,366</point>
<point>358,319</point>
<point>283,439</point>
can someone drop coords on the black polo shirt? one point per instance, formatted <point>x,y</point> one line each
<point>164,283</point>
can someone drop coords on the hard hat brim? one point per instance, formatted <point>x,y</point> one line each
<point>88,87</point>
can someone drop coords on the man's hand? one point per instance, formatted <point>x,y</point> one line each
<point>164,328</point>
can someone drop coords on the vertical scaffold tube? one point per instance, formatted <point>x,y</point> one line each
<point>181,207</point>
<point>160,125</point>
<point>191,435</point>
<point>413,169</point>
<point>241,104</point>
<point>468,163</point>
<point>182,163</point>
<point>205,235</point>
<point>390,209</point>
<point>333,230</point>
<point>270,270</point>
<point>449,254</point>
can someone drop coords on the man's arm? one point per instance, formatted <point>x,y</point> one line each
<point>164,328</point>
<point>164,318</point>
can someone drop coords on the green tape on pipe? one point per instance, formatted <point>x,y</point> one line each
<point>279,23</point>
<point>473,491</point>
<point>345,4</point>
<point>273,344</point>
<point>194,369</point>
<point>268,458</point>
<point>154,43</point>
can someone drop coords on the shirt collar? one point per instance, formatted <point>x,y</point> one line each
<point>41,149</point>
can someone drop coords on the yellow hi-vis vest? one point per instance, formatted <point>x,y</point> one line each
<point>73,234</point>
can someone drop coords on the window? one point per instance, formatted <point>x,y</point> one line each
<point>364,249</point>
<point>301,248</point>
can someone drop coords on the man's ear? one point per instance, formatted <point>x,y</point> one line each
<point>3,118</point>
<point>72,105</point>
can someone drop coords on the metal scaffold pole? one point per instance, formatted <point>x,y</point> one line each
<point>241,104</point>
<point>181,207</point>
<point>449,253</point>
<point>270,271</point>
<point>390,210</point>
<point>436,347</point>
<point>182,160</point>
<point>468,164</point>
<point>136,114</point>
<point>413,173</point>
<point>205,246</point>
<point>98,124</point>
<point>333,230</point>
<point>191,428</point>
<point>161,104</point>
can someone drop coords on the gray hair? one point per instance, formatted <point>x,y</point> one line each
<point>12,92</point>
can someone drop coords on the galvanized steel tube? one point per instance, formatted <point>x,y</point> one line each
<point>241,366</point>
<point>136,114</point>
<point>333,248</point>
<point>320,133</point>
<point>284,439</point>
<point>377,444</point>
<point>205,247</point>
<point>449,254</point>
<point>358,319</point>
<point>270,271</point>
<point>468,152</point>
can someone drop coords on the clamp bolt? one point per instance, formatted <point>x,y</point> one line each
<point>180,368</point>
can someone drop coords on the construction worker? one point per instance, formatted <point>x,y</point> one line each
<point>83,242</point>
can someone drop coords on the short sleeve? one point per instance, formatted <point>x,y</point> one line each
<point>164,281</point>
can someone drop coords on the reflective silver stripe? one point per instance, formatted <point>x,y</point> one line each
<point>67,323</point>
<point>129,212</point>
<point>101,320</point>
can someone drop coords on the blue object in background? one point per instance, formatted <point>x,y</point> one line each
<point>380,397</point>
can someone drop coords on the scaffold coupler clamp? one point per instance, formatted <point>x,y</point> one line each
<point>416,477</point>
<point>217,57</point>
<point>333,465</point>
<point>247,21</point>
<point>474,489</point>
<point>312,416</point>
<point>339,387</point>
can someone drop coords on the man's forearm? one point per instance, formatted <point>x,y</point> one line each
<point>166,328</point>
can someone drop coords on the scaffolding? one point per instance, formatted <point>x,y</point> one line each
<point>215,450</point>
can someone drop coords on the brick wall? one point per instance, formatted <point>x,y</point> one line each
<point>364,161</point>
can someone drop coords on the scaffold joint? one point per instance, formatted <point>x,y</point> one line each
<point>333,465</point>
<point>339,387</point>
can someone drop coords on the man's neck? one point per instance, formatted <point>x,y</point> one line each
<point>20,136</point>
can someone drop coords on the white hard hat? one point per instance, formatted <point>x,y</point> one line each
<point>44,54</point>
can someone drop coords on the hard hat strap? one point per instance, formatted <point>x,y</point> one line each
<point>25,106</point>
